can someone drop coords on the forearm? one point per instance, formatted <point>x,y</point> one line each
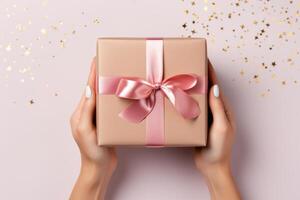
<point>221,183</point>
<point>91,184</point>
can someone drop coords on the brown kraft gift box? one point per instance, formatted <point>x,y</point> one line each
<point>127,57</point>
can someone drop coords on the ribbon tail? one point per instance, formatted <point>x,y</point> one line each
<point>183,102</point>
<point>138,110</point>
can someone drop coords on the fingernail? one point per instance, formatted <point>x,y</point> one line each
<point>216,91</point>
<point>88,92</point>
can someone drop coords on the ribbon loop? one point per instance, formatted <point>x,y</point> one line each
<point>182,81</point>
<point>133,88</point>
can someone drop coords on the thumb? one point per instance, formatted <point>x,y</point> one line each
<point>89,104</point>
<point>216,104</point>
<point>88,108</point>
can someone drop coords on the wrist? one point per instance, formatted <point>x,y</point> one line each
<point>215,172</point>
<point>94,174</point>
<point>91,183</point>
<point>93,179</point>
<point>220,182</point>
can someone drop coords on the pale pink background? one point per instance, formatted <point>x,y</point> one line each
<point>38,158</point>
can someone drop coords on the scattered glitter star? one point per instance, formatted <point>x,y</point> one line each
<point>96,21</point>
<point>27,52</point>
<point>8,68</point>
<point>62,43</point>
<point>242,72</point>
<point>8,48</point>
<point>20,27</point>
<point>43,31</point>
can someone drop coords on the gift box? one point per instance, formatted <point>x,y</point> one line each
<point>151,92</point>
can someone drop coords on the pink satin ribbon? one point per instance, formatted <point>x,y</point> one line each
<point>148,95</point>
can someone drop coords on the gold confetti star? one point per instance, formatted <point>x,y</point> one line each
<point>242,72</point>
<point>8,48</point>
<point>62,43</point>
<point>44,31</point>
<point>263,94</point>
<point>27,52</point>
<point>55,28</point>
<point>8,68</point>
<point>44,2</point>
<point>20,27</point>
<point>96,21</point>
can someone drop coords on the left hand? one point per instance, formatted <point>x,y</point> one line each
<point>84,130</point>
<point>97,163</point>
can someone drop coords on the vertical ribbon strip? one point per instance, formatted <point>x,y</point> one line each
<point>155,129</point>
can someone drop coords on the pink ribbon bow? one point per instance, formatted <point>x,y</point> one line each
<point>174,88</point>
<point>148,95</point>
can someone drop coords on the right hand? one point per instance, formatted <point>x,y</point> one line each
<point>217,153</point>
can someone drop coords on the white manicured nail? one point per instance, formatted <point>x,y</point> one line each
<point>216,91</point>
<point>88,92</point>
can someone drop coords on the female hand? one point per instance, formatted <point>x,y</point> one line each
<point>97,163</point>
<point>214,161</point>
